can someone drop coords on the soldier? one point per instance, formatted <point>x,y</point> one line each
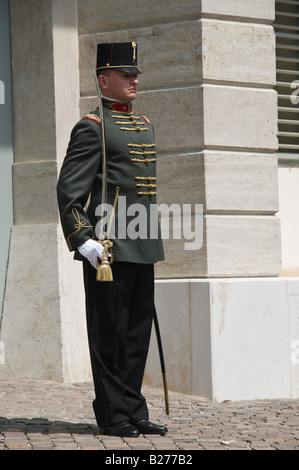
<point>119,312</point>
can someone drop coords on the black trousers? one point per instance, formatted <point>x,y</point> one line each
<point>119,322</point>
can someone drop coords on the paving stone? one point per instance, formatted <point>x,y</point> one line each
<point>44,415</point>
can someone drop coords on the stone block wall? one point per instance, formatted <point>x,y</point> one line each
<point>43,328</point>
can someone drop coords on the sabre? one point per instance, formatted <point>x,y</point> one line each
<point>104,271</point>
<point>163,370</point>
<point>104,157</point>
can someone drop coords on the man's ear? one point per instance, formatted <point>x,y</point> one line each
<point>103,82</point>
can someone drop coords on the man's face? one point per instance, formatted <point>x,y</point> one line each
<point>119,85</point>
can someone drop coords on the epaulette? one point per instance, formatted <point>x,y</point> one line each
<point>146,120</point>
<point>93,117</point>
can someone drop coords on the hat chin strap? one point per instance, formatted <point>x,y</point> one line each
<point>115,101</point>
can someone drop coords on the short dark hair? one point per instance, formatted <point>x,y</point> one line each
<point>105,72</point>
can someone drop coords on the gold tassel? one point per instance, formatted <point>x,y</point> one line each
<point>104,272</point>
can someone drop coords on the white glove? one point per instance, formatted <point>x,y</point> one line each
<point>91,250</point>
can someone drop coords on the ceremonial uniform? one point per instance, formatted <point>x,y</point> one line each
<point>120,312</point>
<point>131,155</point>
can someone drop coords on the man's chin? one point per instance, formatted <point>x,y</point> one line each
<point>132,96</point>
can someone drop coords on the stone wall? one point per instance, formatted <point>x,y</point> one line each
<point>43,328</point>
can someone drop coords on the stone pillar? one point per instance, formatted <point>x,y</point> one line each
<point>228,323</point>
<point>43,326</point>
<point>220,141</point>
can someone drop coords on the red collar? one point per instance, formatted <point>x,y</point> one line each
<point>117,106</point>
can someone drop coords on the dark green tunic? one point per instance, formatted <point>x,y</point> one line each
<point>131,166</point>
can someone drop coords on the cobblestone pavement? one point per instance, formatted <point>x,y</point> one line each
<point>40,415</point>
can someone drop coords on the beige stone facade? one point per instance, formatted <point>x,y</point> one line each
<point>208,87</point>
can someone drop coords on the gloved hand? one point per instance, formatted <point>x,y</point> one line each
<point>91,250</point>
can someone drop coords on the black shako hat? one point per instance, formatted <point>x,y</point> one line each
<point>117,55</point>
